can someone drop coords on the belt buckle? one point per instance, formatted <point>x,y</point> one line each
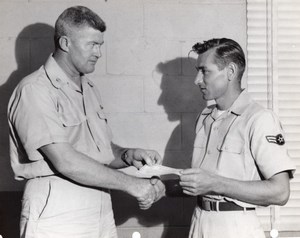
<point>210,205</point>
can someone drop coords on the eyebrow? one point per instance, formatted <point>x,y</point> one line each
<point>198,68</point>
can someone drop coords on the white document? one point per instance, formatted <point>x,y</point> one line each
<point>149,171</point>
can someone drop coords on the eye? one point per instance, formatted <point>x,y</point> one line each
<point>197,68</point>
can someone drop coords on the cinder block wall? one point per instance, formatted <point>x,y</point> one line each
<point>145,79</point>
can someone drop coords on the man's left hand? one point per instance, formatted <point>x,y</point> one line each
<point>197,181</point>
<point>140,157</point>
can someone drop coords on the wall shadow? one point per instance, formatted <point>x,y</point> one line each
<point>182,101</point>
<point>33,46</point>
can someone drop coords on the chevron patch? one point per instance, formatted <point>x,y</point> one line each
<point>279,140</point>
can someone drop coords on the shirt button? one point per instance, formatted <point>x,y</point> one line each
<point>208,152</point>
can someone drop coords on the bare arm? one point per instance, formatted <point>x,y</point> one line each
<point>273,191</point>
<point>85,170</point>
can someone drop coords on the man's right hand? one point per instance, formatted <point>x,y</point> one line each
<point>151,192</point>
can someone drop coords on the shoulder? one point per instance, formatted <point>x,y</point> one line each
<point>255,111</point>
<point>36,80</point>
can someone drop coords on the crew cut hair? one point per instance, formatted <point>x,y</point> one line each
<point>76,17</point>
<point>226,51</point>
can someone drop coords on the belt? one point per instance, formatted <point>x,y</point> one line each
<point>209,205</point>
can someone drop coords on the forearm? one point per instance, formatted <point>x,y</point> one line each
<point>274,191</point>
<point>87,171</point>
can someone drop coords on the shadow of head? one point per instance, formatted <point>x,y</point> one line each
<point>33,46</point>
<point>179,94</point>
<point>38,38</point>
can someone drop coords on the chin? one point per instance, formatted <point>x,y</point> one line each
<point>88,71</point>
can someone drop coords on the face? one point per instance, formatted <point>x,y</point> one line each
<point>212,82</point>
<point>84,49</point>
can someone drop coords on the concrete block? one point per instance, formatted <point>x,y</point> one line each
<point>186,21</point>
<point>121,94</point>
<point>145,130</point>
<point>123,18</point>
<point>139,56</point>
<point>171,93</point>
<point>14,57</point>
<point>47,12</point>
<point>14,16</point>
<point>40,50</point>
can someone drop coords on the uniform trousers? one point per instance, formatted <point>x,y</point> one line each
<point>225,224</point>
<point>53,207</point>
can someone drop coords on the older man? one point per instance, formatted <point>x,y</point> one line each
<point>61,143</point>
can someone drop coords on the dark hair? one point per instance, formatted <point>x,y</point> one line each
<point>76,16</point>
<point>226,51</point>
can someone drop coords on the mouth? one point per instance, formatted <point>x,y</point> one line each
<point>93,61</point>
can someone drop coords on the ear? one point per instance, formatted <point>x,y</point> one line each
<point>232,71</point>
<point>64,43</point>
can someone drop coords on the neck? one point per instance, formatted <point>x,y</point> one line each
<point>225,103</point>
<point>63,62</point>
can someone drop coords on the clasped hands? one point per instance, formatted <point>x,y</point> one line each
<point>152,189</point>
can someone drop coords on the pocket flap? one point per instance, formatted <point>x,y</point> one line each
<point>232,146</point>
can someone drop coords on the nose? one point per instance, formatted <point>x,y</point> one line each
<point>97,51</point>
<point>199,78</point>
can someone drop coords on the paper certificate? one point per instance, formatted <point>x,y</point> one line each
<point>155,170</point>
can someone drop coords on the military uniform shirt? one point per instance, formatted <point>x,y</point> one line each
<point>47,107</point>
<point>246,142</point>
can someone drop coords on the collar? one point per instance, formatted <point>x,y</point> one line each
<point>59,78</point>
<point>241,103</point>
<point>237,108</point>
<point>56,75</point>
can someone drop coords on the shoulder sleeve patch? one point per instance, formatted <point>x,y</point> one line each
<point>278,139</point>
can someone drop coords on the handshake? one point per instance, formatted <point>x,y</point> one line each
<point>147,187</point>
<point>150,193</point>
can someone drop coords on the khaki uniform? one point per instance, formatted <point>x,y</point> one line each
<point>47,107</point>
<point>244,143</point>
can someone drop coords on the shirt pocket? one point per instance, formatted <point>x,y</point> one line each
<point>231,145</point>
<point>199,149</point>
<point>71,116</point>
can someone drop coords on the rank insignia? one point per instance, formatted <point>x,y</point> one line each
<point>279,140</point>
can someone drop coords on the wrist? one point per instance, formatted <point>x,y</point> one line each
<point>125,157</point>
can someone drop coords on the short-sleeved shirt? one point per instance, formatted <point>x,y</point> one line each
<point>246,142</point>
<point>48,107</point>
